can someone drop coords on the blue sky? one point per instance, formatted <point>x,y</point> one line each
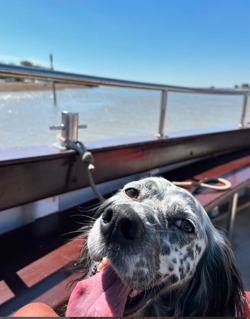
<point>177,42</point>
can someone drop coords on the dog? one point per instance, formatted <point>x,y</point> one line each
<point>159,255</point>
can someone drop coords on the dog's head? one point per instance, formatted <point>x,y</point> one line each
<point>163,257</point>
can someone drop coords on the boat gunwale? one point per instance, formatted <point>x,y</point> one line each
<point>14,155</point>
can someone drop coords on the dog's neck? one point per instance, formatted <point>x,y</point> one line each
<point>164,305</point>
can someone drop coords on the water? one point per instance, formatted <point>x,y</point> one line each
<point>109,112</point>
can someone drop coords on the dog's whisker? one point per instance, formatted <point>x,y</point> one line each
<point>90,207</point>
<point>90,219</point>
<point>78,231</point>
<point>84,216</point>
<point>72,232</point>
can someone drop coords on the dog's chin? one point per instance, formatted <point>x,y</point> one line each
<point>135,305</point>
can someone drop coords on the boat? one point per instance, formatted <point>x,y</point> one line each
<point>43,187</point>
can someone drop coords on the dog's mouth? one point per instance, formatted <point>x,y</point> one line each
<point>104,294</point>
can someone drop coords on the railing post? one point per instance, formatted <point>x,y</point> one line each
<point>164,95</point>
<point>244,110</point>
<point>53,82</point>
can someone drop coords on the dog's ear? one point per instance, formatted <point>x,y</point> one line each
<point>216,288</point>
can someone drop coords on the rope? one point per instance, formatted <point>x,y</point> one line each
<point>87,159</point>
<point>205,183</point>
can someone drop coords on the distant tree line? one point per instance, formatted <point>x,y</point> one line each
<point>242,86</point>
<point>30,64</point>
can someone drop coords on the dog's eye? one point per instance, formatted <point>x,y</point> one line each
<point>185,225</point>
<point>132,192</point>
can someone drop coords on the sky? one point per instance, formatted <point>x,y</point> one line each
<point>199,43</point>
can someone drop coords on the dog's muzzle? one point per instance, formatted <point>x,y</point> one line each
<point>121,225</point>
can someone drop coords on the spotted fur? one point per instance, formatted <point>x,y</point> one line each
<point>183,272</point>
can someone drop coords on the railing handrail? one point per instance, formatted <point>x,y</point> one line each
<point>51,75</point>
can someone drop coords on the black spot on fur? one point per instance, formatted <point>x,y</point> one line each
<point>190,253</point>
<point>151,185</point>
<point>154,190</point>
<point>185,257</point>
<point>181,272</point>
<point>165,250</point>
<point>174,279</point>
<point>150,218</point>
<point>198,248</point>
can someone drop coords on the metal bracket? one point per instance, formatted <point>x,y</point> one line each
<point>69,129</point>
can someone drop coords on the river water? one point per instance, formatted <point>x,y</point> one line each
<point>25,117</point>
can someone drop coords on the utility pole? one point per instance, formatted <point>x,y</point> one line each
<point>53,83</point>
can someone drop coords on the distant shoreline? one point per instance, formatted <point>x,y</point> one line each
<point>22,86</point>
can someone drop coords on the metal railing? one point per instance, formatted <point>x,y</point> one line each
<point>71,78</point>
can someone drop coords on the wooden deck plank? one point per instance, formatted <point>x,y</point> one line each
<point>5,292</point>
<point>50,263</point>
<point>225,168</point>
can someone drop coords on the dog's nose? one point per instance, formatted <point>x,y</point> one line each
<point>121,225</point>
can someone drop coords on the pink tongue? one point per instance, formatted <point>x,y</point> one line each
<point>103,295</point>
